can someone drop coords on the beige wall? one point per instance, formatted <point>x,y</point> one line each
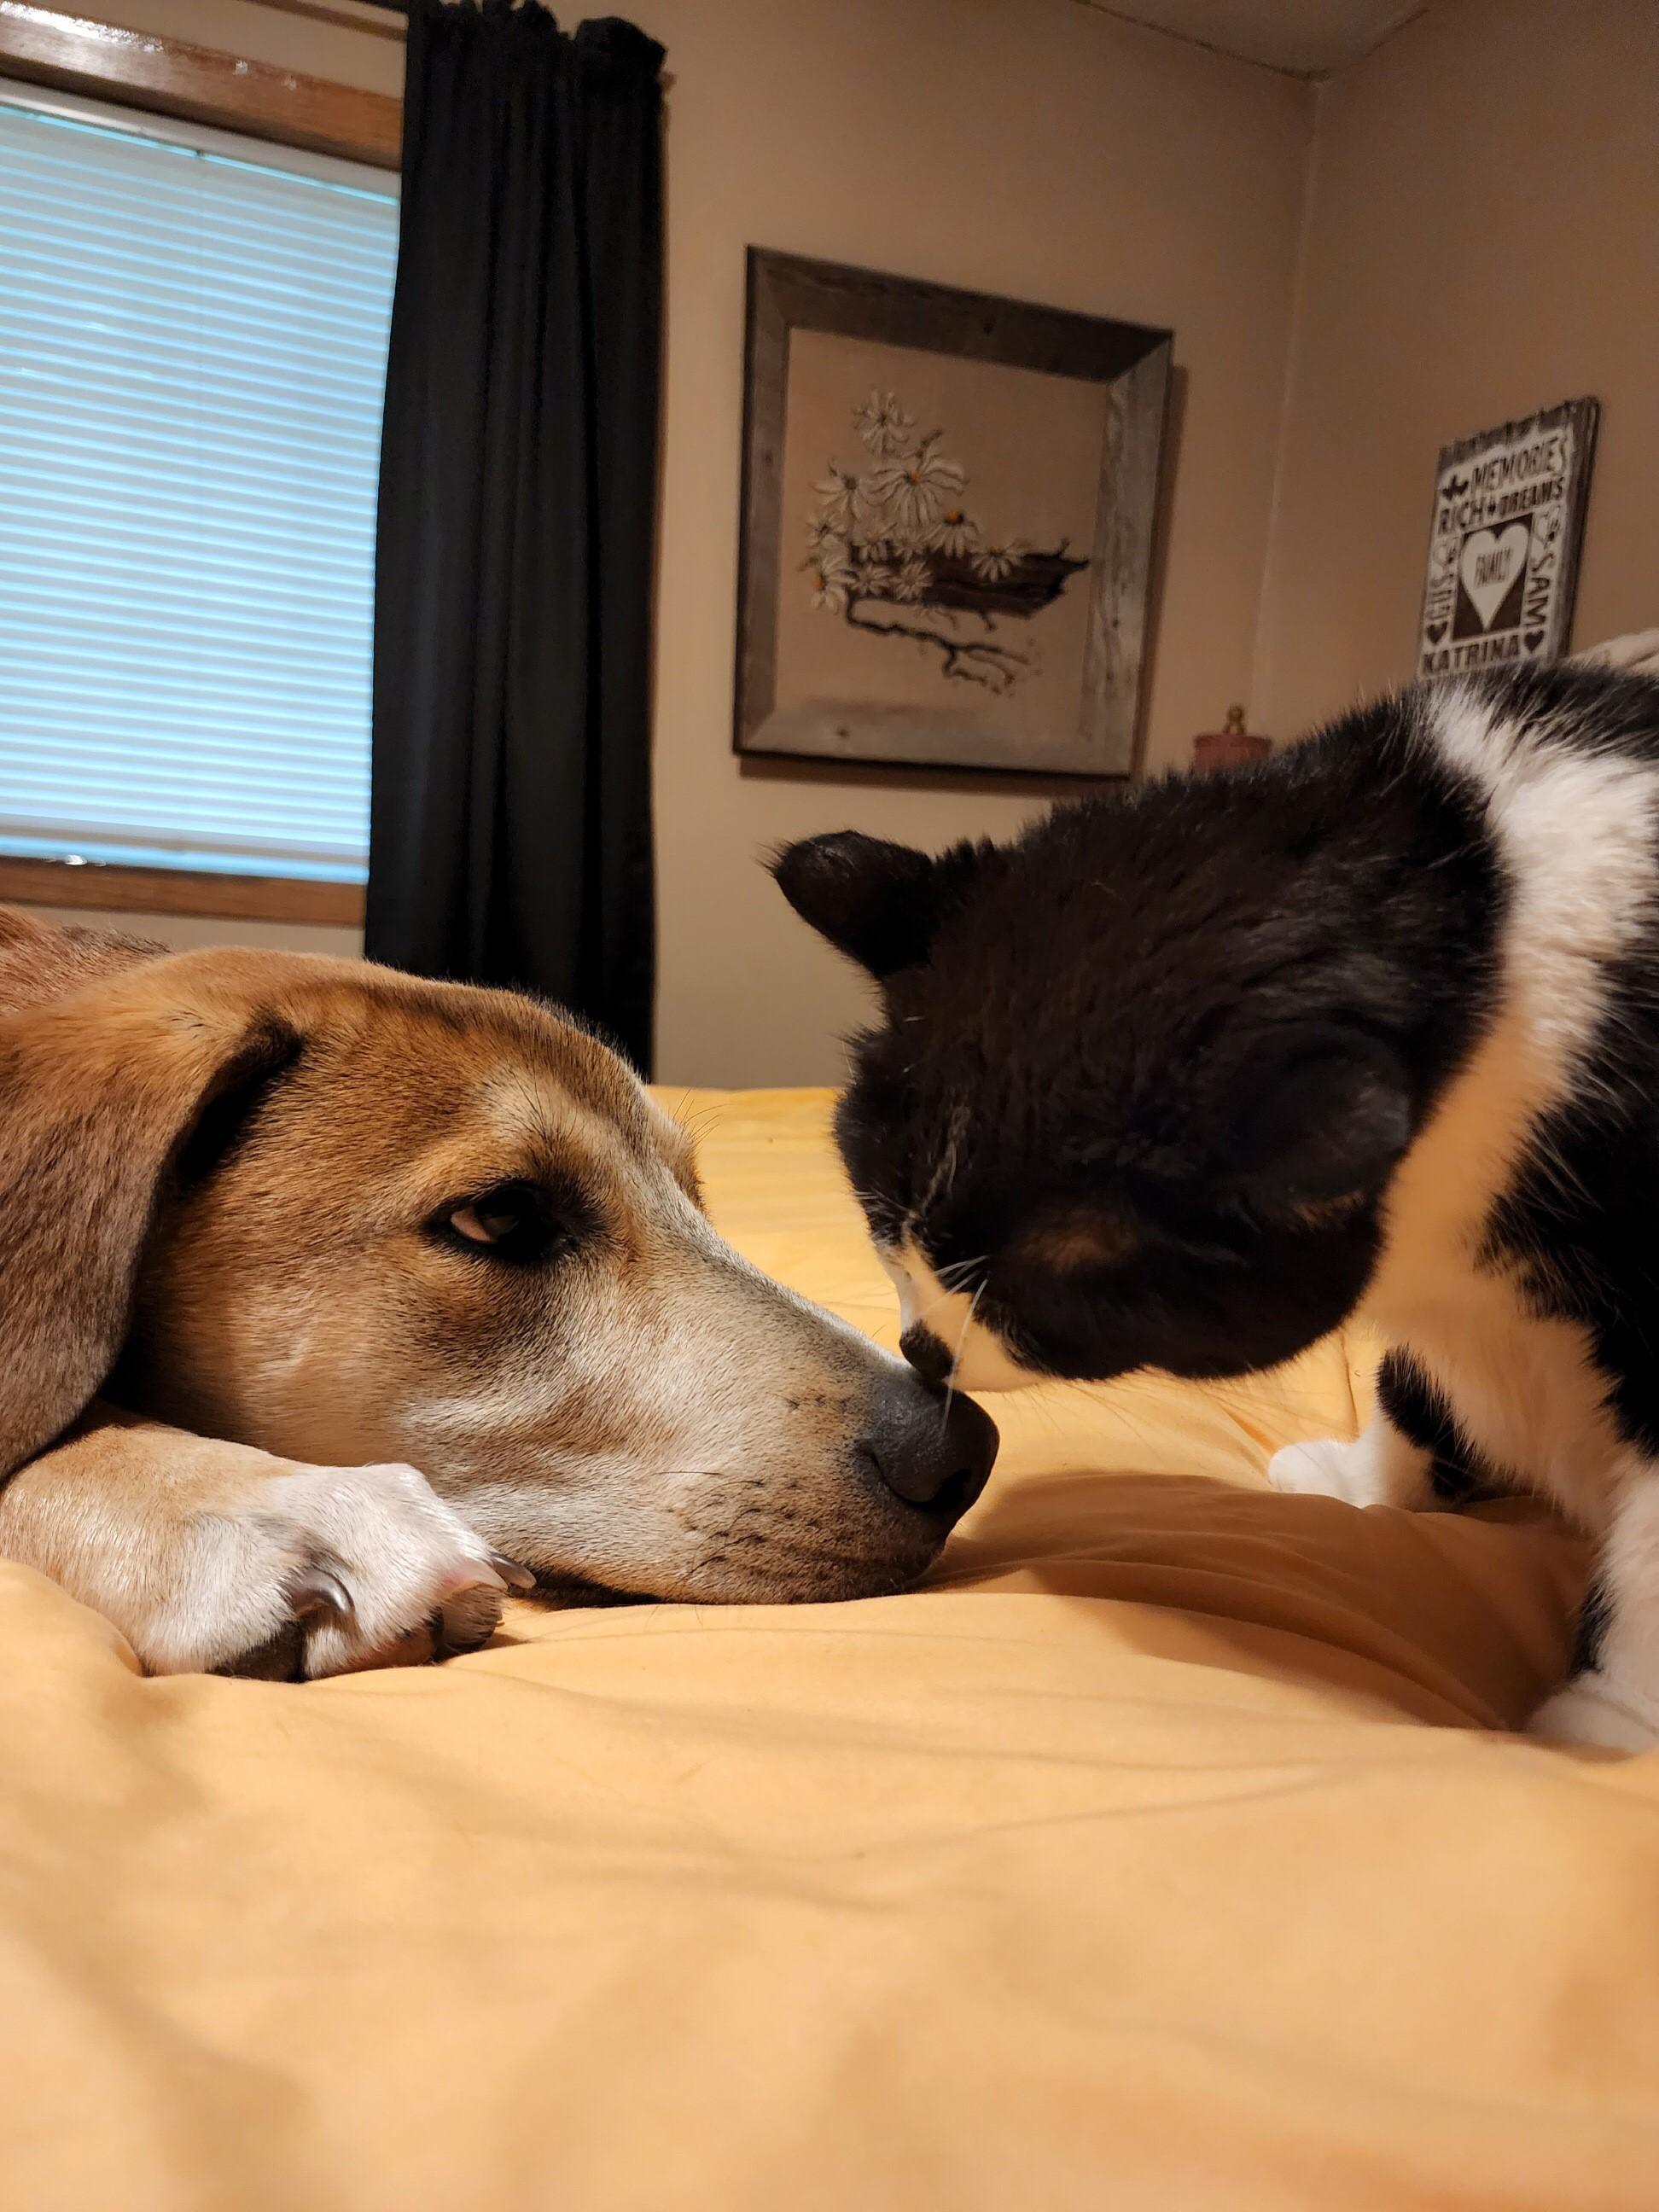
<point>1030,146</point>
<point>1476,238</point>
<point>349,43</point>
<point>1483,241</point>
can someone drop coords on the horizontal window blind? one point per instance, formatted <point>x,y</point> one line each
<point>192,354</point>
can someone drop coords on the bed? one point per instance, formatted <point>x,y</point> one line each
<point>1170,1848</point>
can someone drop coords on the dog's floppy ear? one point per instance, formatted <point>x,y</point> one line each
<point>1318,1116</point>
<point>877,901</point>
<point>100,1092</point>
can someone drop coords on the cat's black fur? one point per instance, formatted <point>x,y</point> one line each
<point>1196,1023</point>
<point>1144,1079</point>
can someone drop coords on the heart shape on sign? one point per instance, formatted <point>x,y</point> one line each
<point>1435,632</point>
<point>1489,563</point>
<point>1533,639</point>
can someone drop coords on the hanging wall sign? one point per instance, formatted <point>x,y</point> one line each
<point>1508,517</point>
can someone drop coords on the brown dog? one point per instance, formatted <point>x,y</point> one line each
<point>334,1224</point>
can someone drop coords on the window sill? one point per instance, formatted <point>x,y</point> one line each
<point>180,891</point>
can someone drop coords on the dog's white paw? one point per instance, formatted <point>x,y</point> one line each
<point>1585,1713</point>
<point>326,1569</point>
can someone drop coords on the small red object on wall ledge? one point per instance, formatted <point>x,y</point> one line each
<point>1230,747</point>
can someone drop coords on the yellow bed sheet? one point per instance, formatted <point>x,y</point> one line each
<point>1168,1849</point>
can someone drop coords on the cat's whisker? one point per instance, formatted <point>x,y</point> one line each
<point>962,1338</point>
<point>933,1304</point>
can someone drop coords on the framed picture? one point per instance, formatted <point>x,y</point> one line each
<point>1509,519</point>
<point>948,502</point>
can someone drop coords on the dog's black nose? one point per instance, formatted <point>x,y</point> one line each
<point>929,1450</point>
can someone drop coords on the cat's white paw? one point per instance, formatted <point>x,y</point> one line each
<point>1585,1713</point>
<point>1328,1468</point>
<point>1379,1467</point>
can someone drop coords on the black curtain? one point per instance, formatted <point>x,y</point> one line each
<point>510,825</point>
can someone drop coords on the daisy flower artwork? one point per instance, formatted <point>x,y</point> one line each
<point>893,547</point>
<point>945,525</point>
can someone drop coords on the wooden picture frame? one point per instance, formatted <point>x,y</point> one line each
<point>1504,537</point>
<point>973,613</point>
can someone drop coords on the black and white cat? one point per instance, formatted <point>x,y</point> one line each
<point>1186,1076</point>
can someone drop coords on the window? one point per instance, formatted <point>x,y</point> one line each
<point>192,352</point>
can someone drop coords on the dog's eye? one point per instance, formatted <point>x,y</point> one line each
<point>512,1220</point>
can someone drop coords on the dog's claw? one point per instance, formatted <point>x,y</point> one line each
<point>515,1576</point>
<point>316,1589</point>
<point>471,1575</point>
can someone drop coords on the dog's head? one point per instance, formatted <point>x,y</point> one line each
<point>348,1217</point>
<point>1142,1080</point>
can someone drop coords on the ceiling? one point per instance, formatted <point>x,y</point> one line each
<point>1307,38</point>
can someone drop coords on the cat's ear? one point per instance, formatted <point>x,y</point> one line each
<point>1315,1118</point>
<point>879,902</point>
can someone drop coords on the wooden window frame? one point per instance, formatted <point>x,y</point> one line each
<point>170,77</point>
<point>195,84</point>
<point>179,890</point>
